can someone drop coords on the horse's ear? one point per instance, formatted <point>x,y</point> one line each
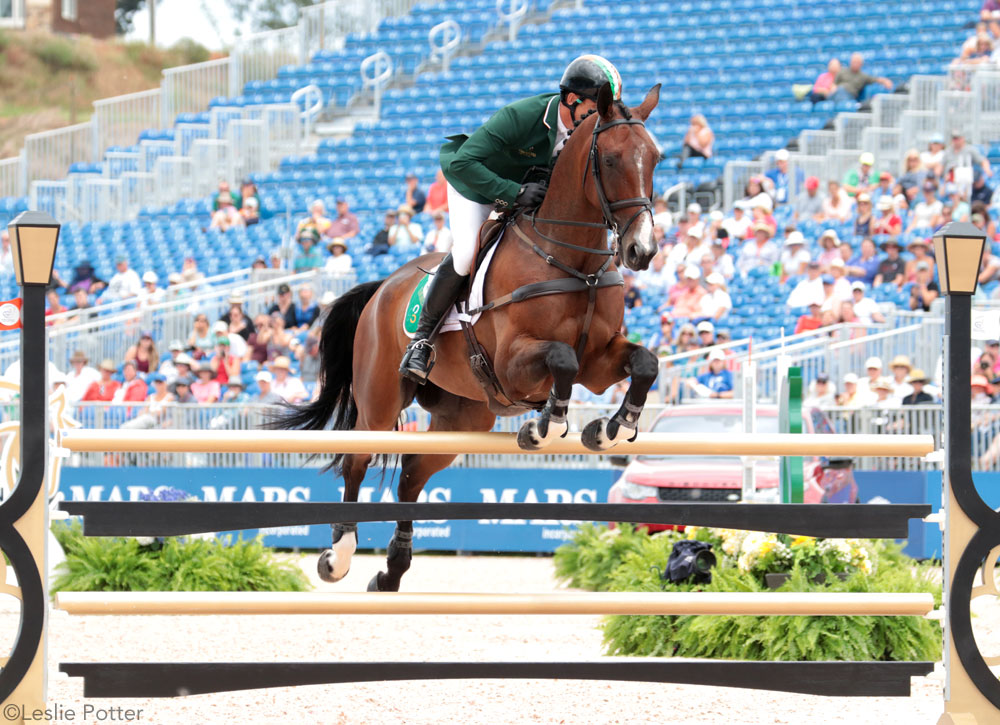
<point>648,103</point>
<point>605,102</point>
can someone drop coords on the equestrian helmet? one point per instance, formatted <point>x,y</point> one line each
<point>585,75</point>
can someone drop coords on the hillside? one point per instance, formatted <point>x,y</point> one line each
<point>48,81</point>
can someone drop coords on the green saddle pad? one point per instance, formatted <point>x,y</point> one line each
<point>416,303</point>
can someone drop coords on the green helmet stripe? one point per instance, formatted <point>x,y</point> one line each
<point>609,70</point>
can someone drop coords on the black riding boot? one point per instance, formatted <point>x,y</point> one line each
<point>442,291</point>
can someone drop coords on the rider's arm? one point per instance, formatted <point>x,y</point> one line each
<point>492,139</point>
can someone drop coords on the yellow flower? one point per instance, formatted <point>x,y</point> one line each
<point>692,532</point>
<point>766,547</point>
<point>803,540</point>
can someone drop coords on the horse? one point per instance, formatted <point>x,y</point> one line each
<point>601,180</point>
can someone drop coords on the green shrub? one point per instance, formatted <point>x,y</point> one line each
<point>61,54</point>
<point>173,564</point>
<point>190,51</point>
<point>633,561</point>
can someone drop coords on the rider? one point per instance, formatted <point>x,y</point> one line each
<point>485,170</point>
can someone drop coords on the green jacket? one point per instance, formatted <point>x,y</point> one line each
<point>488,166</point>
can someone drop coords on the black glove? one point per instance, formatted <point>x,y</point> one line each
<point>530,195</point>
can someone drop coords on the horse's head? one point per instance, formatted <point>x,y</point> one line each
<point>622,158</point>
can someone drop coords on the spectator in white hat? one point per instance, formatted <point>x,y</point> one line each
<point>266,395</point>
<point>807,289</point>
<point>694,213</point>
<point>706,333</point>
<point>841,285</point>
<point>865,308</point>
<point>237,345</point>
<point>783,185</point>
<point>687,251</point>
<point>717,382</point>
<point>339,262</point>
<point>150,294</point>
<point>888,221</point>
<point>757,252</point>
<point>738,225</point>
<point>794,257</point>
<point>873,371</point>
<point>854,396</point>
<point>289,387</point>
<point>717,302</point>
<point>686,296</point>
<point>168,368</point>
<point>79,377</point>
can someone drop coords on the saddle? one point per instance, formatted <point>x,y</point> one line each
<point>489,234</point>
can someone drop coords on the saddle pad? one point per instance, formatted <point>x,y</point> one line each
<point>454,319</point>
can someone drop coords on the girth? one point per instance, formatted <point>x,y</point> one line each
<point>479,360</point>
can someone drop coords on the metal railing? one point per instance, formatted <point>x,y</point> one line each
<point>109,330</point>
<point>125,117</point>
<point>325,25</point>
<point>444,39</point>
<point>13,179</point>
<point>891,420</point>
<point>48,154</point>
<point>259,56</point>
<point>190,88</point>
<point>376,72</point>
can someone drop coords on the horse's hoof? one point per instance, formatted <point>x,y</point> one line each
<point>529,438</point>
<point>373,584</point>
<point>326,567</point>
<point>595,435</point>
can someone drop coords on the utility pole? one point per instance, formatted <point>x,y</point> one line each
<point>152,23</point>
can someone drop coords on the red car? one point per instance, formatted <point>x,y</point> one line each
<point>651,479</point>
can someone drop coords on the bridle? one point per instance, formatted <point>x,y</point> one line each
<point>608,208</point>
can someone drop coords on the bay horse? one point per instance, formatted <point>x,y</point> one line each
<point>602,180</point>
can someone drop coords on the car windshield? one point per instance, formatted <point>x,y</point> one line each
<point>715,424</point>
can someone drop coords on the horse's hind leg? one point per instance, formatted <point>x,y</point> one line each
<point>377,410</point>
<point>449,413</point>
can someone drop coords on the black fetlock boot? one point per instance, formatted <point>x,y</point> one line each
<point>442,291</point>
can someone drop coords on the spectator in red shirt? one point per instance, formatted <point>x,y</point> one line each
<point>811,321</point>
<point>224,364</point>
<point>687,299</point>
<point>134,389</point>
<point>55,306</point>
<point>888,222</point>
<point>105,388</point>
<point>437,195</point>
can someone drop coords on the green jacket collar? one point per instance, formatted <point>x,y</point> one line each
<point>551,117</point>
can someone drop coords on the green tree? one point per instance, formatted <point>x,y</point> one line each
<point>268,14</point>
<point>125,10</point>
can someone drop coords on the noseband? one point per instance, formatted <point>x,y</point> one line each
<point>607,207</point>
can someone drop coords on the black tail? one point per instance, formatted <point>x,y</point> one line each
<point>336,399</point>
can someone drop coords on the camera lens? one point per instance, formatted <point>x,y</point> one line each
<point>704,561</point>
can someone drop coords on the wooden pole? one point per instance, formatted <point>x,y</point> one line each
<point>592,603</point>
<point>329,442</point>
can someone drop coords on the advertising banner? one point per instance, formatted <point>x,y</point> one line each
<point>308,484</point>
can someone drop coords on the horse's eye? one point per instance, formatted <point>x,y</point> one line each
<point>608,161</point>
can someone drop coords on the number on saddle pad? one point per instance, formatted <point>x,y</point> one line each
<point>414,306</point>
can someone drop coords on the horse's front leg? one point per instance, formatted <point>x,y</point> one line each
<point>624,359</point>
<point>532,363</point>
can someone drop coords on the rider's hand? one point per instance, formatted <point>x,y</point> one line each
<point>530,195</point>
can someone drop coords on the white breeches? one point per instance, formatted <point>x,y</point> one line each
<point>465,218</point>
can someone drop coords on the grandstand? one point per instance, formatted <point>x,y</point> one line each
<point>733,60</point>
